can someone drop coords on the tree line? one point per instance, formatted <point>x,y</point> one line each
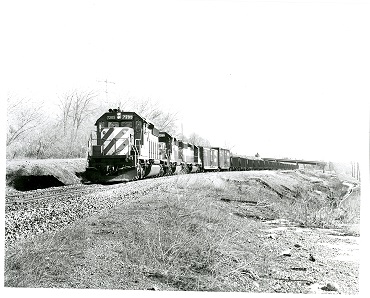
<point>35,132</point>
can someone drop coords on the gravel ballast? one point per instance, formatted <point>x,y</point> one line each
<point>26,219</point>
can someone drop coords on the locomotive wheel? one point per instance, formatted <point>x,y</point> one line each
<point>139,172</point>
<point>161,171</point>
<point>184,169</point>
<point>168,171</point>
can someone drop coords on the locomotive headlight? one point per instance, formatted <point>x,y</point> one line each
<point>118,115</point>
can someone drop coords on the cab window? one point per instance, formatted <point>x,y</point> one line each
<point>113,124</point>
<point>103,124</point>
<point>126,124</point>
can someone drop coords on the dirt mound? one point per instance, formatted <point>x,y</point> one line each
<point>41,173</point>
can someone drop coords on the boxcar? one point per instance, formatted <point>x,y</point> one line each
<point>244,163</point>
<point>235,163</point>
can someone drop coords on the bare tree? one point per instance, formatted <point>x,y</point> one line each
<point>77,113</point>
<point>24,116</point>
<point>65,105</point>
<point>153,112</point>
<point>76,106</point>
<point>148,109</point>
<point>45,143</point>
<point>167,121</point>
<point>198,140</point>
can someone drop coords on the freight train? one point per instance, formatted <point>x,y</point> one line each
<point>125,146</point>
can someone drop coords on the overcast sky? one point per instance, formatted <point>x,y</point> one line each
<point>282,78</point>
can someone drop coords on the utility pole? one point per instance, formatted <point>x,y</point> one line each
<point>106,88</point>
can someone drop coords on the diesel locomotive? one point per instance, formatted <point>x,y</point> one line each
<point>126,146</point>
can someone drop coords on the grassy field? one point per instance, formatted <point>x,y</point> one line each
<point>199,233</point>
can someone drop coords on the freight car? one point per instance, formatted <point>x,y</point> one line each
<point>125,146</point>
<point>241,163</point>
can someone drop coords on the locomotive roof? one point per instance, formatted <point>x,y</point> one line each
<point>220,148</point>
<point>166,134</point>
<point>115,112</point>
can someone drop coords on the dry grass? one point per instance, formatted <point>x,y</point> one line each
<point>319,205</point>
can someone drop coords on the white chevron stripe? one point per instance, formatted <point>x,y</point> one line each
<point>116,139</point>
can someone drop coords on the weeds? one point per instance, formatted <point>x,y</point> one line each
<point>317,205</point>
